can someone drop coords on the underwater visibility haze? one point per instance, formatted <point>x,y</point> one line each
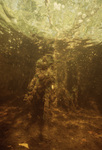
<point>51,74</point>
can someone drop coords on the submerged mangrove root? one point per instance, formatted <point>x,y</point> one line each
<point>41,87</point>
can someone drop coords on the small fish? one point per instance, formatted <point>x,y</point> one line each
<point>52,86</point>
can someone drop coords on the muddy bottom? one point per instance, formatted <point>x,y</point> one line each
<point>81,130</point>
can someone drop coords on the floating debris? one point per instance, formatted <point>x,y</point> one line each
<point>24,145</point>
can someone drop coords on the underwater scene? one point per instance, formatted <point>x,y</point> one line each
<point>50,74</point>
